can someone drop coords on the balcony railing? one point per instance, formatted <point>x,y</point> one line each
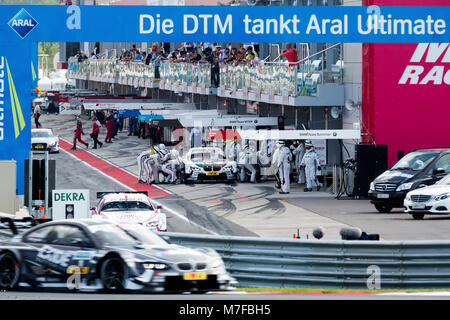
<point>112,69</point>
<point>271,78</point>
<point>198,74</point>
<point>300,79</point>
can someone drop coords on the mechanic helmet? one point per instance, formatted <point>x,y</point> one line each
<point>280,142</point>
<point>308,144</point>
<point>174,153</point>
<point>162,146</point>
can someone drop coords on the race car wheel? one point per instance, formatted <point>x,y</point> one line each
<point>383,208</point>
<point>9,271</point>
<point>112,275</point>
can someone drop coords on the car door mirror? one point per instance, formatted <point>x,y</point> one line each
<point>93,210</point>
<point>159,207</point>
<point>438,171</point>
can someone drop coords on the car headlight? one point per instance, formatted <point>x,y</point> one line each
<point>442,196</point>
<point>155,266</point>
<point>408,197</point>
<point>151,224</point>
<point>372,186</point>
<point>405,186</point>
<point>52,144</point>
<point>218,263</point>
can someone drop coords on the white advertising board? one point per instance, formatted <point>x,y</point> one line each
<point>64,198</point>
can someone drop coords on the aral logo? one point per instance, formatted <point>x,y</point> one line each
<point>16,110</point>
<point>428,55</point>
<point>22,23</point>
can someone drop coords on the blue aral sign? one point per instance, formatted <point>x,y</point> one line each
<point>15,102</point>
<point>22,23</point>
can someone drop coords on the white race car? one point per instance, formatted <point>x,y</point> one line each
<point>130,207</point>
<point>434,199</point>
<point>44,136</point>
<point>208,163</point>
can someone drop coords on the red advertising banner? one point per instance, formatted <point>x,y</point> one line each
<point>406,89</point>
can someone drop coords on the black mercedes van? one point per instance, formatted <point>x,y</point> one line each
<point>419,168</point>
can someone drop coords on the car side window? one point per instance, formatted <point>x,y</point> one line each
<point>444,163</point>
<point>40,235</point>
<point>72,236</point>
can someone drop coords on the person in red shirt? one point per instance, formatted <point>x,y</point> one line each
<point>95,131</point>
<point>290,54</point>
<point>109,127</point>
<point>77,136</point>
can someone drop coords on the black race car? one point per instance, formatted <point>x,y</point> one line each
<point>94,254</point>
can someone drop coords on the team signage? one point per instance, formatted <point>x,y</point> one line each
<point>212,122</point>
<point>299,134</point>
<point>73,203</point>
<point>227,23</point>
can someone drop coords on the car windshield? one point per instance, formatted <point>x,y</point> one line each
<point>143,234</point>
<point>127,206</point>
<point>445,180</point>
<point>40,134</point>
<point>125,235</point>
<point>415,161</point>
<point>205,156</point>
<point>113,235</point>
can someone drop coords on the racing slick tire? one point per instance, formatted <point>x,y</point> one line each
<point>383,208</point>
<point>112,275</point>
<point>418,216</point>
<point>9,271</point>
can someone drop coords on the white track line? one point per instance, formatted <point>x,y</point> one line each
<point>182,217</point>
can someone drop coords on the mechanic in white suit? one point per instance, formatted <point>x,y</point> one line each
<point>299,152</point>
<point>274,163</point>
<point>171,166</point>
<point>144,173</point>
<point>151,164</point>
<point>247,158</point>
<point>311,163</point>
<point>230,150</point>
<point>284,166</point>
<point>164,156</point>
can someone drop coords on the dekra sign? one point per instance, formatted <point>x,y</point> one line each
<point>68,197</point>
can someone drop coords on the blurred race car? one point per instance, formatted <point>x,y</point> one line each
<point>130,207</point>
<point>44,137</point>
<point>208,163</point>
<point>97,254</point>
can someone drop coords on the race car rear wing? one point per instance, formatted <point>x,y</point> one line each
<point>14,225</point>
<point>102,194</point>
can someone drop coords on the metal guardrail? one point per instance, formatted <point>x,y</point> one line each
<point>279,263</point>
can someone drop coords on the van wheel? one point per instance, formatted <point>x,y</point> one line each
<point>418,216</point>
<point>383,208</point>
<point>9,271</point>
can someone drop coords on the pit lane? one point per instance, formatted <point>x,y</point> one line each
<point>237,209</point>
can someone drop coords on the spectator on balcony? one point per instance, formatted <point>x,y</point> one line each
<point>138,56</point>
<point>94,55</point>
<point>215,68</point>
<point>250,52</point>
<point>254,61</point>
<point>290,54</point>
<point>144,56</point>
<point>194,57</point>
